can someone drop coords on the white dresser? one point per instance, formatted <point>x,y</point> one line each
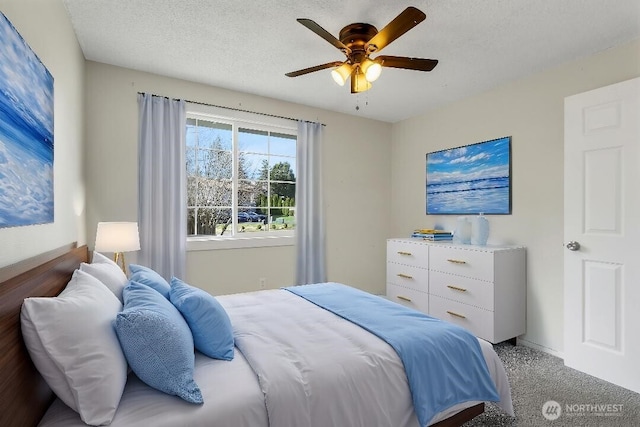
<point>481,288</point>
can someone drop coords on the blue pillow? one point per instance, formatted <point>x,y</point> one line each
<point>157,342</point>
<point>209,323</point>
<point>149,277</point>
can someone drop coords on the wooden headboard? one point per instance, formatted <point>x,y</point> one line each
<point>24,395</point>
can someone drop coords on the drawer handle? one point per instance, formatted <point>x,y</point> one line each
<point>403,298</point>
<point>405,276</point>
<point>455,288</point>
<point>457,261</point>
<point>456,314</point>
<point>404,253</point>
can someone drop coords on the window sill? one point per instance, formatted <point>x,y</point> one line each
<point>209,244</point>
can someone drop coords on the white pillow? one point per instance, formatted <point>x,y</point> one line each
<point>75,348</point>
<point>108,272</point>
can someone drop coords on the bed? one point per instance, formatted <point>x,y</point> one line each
<point>231,389</point>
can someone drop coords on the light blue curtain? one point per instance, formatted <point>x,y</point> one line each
<point>310,263</point>
<point>162,185</point>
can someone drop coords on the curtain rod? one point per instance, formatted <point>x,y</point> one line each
<point>235,109</point>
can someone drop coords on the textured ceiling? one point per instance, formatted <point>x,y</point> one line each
<point>248,46</point>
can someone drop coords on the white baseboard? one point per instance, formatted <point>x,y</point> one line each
<point>541,348</point>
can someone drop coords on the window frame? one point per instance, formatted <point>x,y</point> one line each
<point>241,119</point>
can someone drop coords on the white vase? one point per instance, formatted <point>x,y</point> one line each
<point>479,230</point>
<point>462,233</point>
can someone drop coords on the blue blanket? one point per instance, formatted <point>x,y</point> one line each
<point>443,362</point>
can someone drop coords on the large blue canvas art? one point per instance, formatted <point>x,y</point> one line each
<point>472,179</point>
<point>26,133</point>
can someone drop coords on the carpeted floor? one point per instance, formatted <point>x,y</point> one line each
<point>538,377</point>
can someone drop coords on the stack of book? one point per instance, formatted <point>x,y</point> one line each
<point>431,234</point>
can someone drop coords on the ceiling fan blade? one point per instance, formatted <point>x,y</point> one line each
<point>312,69</point>
<point>324,34</point>
<point>408,18</point>
<point>407,63</point>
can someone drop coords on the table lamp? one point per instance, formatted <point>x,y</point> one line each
<point>117,237</point>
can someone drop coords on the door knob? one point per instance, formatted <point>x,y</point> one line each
<point>573,246</point>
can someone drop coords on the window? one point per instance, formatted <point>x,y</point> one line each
<point>241,178</point>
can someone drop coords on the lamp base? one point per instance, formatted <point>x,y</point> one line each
<point>119,256</point>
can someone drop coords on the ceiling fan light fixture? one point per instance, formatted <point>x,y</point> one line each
<point>359,82</point>
<point>359,40</point>
<point>342,73</point>
<point>371,69</point>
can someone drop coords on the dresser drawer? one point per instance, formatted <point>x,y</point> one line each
<point>476,320</point>
<point>462,262</point>
<point>408,253</point>
<point>408,297</point>
<point>463,289</point>
<point>408,276</point>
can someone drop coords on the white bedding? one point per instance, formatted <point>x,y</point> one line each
<point>281,331</point>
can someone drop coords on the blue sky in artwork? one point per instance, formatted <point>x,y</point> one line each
<point>26,133</point>
<point>472,162</point>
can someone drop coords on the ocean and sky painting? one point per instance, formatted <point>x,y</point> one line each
<point>26,133</point>
<point>472,179</point>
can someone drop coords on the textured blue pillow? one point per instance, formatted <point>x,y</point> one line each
<point>149,277</point>
<point>157,342</point>
<point>209,323</point>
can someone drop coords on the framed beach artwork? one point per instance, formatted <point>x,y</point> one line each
<point>473,179</point>
<point>26,133</point>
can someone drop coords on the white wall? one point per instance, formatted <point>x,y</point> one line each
<point>531,111</point>
<point>356,181</point>
<point>45,26</point>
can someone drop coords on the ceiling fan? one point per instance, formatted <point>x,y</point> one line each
<point>358,41</point>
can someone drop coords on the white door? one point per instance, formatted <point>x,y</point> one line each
<point>602,233</point>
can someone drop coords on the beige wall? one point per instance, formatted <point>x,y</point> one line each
<point>45,26</point>
<point>368,196</point>
<point>356,181</point>
<point>531,111</point>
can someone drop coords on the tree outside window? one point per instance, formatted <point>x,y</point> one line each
<point>241,179</point>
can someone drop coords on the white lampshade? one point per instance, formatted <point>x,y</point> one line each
<point>117,237</point>
<point>371,70</point>
<point>374,72</point>
<point>342,73</point>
